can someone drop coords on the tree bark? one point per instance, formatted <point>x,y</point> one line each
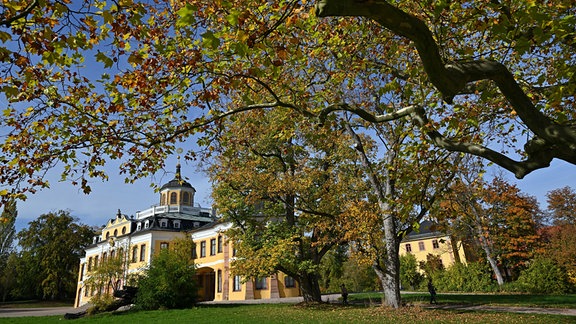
<point>310,287</point>
<point>483,239</point>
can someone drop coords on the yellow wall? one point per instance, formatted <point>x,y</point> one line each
<point>220,261</point>
<point>443,250</point>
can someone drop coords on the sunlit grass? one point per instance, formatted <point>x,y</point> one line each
<point>286,313</point>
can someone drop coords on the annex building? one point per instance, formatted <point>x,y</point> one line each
<point>136,239</point>
<point>429,241</point>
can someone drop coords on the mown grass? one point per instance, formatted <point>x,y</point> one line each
<point>523,300</point>
<point>35,303</point>
<point>360,311</point>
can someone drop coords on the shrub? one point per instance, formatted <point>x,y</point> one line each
<point>102,303</point>
<point>543,276</point>
<point>471,277</point>
<point>409,275</point>
<point>169,282</point>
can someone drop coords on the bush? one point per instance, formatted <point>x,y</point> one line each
<point>543,276</point>
<point>102,303</point>
<point>169,282</point>
<point>471,277</point>
<point>409,275</point>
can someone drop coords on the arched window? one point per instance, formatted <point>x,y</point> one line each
<point>124,230</point>
<point>185,198</point>
<point>107,235</point>
<point>173,198</point>
<point>116,232</point>
<point>163,199</point>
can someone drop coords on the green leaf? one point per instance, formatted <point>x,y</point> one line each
<point>209,40</point>
<point>187,15</point>
<point>101,57</point>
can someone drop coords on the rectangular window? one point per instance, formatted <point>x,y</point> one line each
<point>163,245</point>
<point>237,283</point>
<point>143,252</point>
<point>435,244</point>
<point>261,283</point>
<point>194,254</point>
<point>90,264</point>
<point>289,282</point>
<point>213,247</point>
<point>202,249</point>
<point>219,279</point>
<point>408,247</point>
<point>219,243</point>
<point>95,262</point>
<point>134,254</point>
<point>421,246</point>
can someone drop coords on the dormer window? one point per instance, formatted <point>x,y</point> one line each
<point>139,226</point>
<point>164,223</point>
<point>196,224</point>
<point>176,224</point>
<point>147,224</point>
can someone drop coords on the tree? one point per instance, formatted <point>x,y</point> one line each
<point>107,274</point>
<point>562,205</point>
<point>161,80</point>
<point>560,247</point>
<point>7,235</point>
<point>7,229</point>
<point>500,218</point>
<point>405,181</point>
<point>464,51</point>
<point>284,183</point>
<point>55,243</point>
<point>169,281</point>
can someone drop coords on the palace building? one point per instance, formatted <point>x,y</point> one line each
<point>136,239</point>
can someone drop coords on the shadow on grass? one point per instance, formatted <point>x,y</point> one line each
<point>526,300</point>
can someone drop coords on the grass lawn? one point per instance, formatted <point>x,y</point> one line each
<point>363,310</point>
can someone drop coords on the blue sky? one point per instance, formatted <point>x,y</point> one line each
<point>107,197</point>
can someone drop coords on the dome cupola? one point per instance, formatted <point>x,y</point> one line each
<point>177,191</point>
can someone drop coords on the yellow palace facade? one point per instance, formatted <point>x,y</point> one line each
<point>138,238</point>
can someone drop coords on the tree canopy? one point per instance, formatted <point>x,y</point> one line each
<point>90,81</point>
<point>52,245</point>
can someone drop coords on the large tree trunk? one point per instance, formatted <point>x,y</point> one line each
<point>310,287</point>
<point>389,264</point>
<point>391,276</point>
